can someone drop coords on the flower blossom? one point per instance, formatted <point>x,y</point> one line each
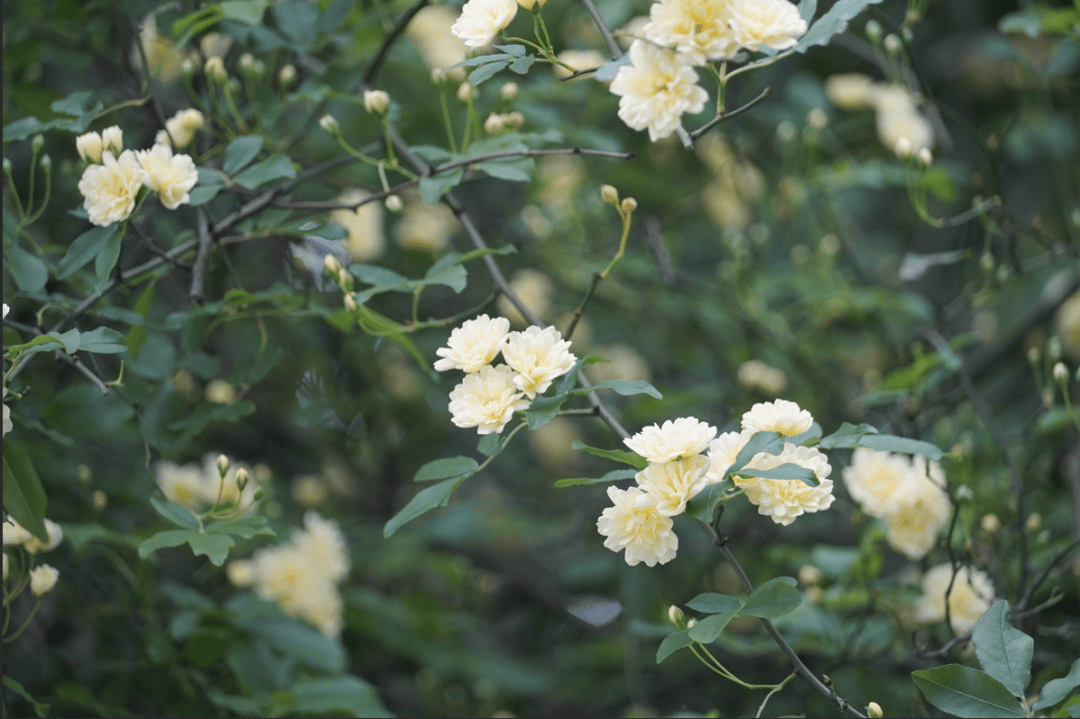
<point>674,483</point>
<point>538,356</point>
<point>697,28</point>
<point>171,176</point>
<point>109,189</point>
<point>487,399</point>
<point>656,89</point>
<point>474,344</point>
<point>913,528</point>
<point>89,146</point>
<point>765,23</point>
<point>786,499</point>
<point>683,437</point>
<point>723,451</point>
<point>482,20</point>
<point>781,416</point>
<point>972,594</point>
<point>42,579</point>
<point>181,128</point>
<point>879,481</point>
<point>635,524</point>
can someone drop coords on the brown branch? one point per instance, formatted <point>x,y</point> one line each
<point>616,53</point>
<point>388,41</point>
<point>728,115</point>
<point>202,259</point>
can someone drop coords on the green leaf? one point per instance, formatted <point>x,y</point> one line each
<point>673,643</point>
<point>616,455</point>
<point>967,693</point>
<point>624,387</point>
<point>24,128</point>
<point>892,443</point>
<point>103,340</point>
<point>784,471</point>
<point>346,695</point>
<point>773,599</point>
<point>246,527</point>
<point>833,22</point>
<point>40,709</point>
<point>428,499</point>
<point>767,442</point>
<point>240,153</point>
<point>81,411</point>
<point>543,410</point>
<point>447,271</point>
<point>1003,650</point>
<point>847,437</point>
<point>214,546</point>
<point>24,497</point>
<point>106,261</point>
<point>299,639</point>
<point>69,339</point>
<point>41,343</point>
<point>377,276</point>
<point>74,104</point>
<point>138,334</point>
<point>29,271</point>
<point>489,445</point>
<point>335,15</point>
<point>275,167</point>
<point>249,12</point>
<point>612,476</point>
<point>298,21</point>
<point>703,506</point>
<point>609,70</point>
<point>809,438</point>
<point>168,538</point>
<point>443,468</point>
<point>485,71</point>
<point>515,50</point>
<point>708,629</point>
<point>807,8</point>
<point>178,514</point>
<point>1056,690</point>
<point>522,64</point>
<point>84,248</point>
<point>713,603</point>
<point>433,187</point>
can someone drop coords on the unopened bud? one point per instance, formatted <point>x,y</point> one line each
<point>466,92</point>
<point>873,710</point>
<point>1034,521</point>
<point>187,68</point>
<point>46,163</point>
<point>509,91</point>
<point>676,616</point>
<point>246,61</point>
<point>330,126</point>
<point>1061,373</point>
<point>990,523</point>
<point>350,303</point>
<point>98,500</point>
<point>215,70</point>
<point>873,31</point>
<point>222,464</point>
<point>892,44</point>
<point>925,156</point>
<point>332,265</point>
<point>285,76</point>
<point>903,147</point>
<point>344,280</point>
<point>628,205</point>
<point>817,118</point>
<point>241,478</point>
<point>37,143</point>
<point>376,102</point>
<point>609,194</point>
<point>42,579</point>
<point>494,124</point>
<point>1034,355</point>
<point>438,76</point>
<point>986,263</point>
<point>1053,348</point>
<point>809,575</point>
<point>691,623</point>
<point>7,166</point>
<point>393,203</point>
<point>513,120</point>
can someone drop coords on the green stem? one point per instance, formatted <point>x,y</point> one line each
<point>768,696</point>
<point>45,202</point>
<point>30,618</point>
<point>446,119</point>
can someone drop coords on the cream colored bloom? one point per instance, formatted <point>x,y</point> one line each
<point>481,21</point>
<point>698,28</point>
<point>322,542</point>
<point>634,524</point>
<point>781,416</point>
<point>539,356</point>
<point>366,240</point>
<point>849,91</point>
<point>913,529</point>
<point>180,484</point>
<point>425,227</point>
<point>656,89</point>
<point>241,572</point>
<point>786,499</point>
<point>972,594</point>
<point>376,102</point>
<point>215,69</point>
<point>723,451</point>
<point>181,128</point>
<point>899,122</point>
<point>766,23</point>
<point>474,344</point>
<point>674,483</point>
<point>680,438</point>
<point>89,146</point>
<point>220,391</point>
<point>487,400</point>
<point>42,579</point>
<point>171,176</point>
<point>109,189</point>
<point>33,545</point>
<point>755,373</point>
<point>112,139</point>
<point>15,533</point>
<point>881,482</point>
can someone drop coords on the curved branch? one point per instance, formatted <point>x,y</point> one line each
<point>616,53</point>
<point>728,115</point>
<point>388,41</point>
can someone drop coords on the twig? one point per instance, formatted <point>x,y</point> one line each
<point>616,53</point>
<point>728,115</point>
<point>157,250</point>
<point>87,372</point>
<point>388,41</point>
<point>1054,561</point>
<point>202,260</point>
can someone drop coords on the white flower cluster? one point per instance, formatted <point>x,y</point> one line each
<point>110,189</point>
<point>198,487</point>
<point>302,575</point>
<point>972,594</point>
<point>900,126</point>
<point>660,84</point>
<point>906,493</point>
<point>489,395</point>
<point>482,20</point>
<point>685,456</point>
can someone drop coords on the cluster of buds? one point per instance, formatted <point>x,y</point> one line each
<point>509,122</point>
<point>92,144</point>
<point>611,196</point>
<point>215,70</point>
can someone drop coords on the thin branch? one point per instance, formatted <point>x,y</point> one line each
<point>728,115</point>
<point>202,260</point>
<point>616,53</point>
<point>388,41</point>
<point>87,372</point>
<point>155,249</point>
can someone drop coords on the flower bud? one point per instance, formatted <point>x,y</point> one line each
<point>344,280</point>
<point>873,710</point>
<point>809,575</point>
<point>187,68</point>
<point>903,147</point>
<point>925,156</point>
<point>1053,348</point>
<point>89,146</point>
<point>513,120</point>
<point>330,126</point>
<point>241,572</point>
<point>7,167</point>
<point>83,473</point>
<point>98,500</point>
<point>350,303</point>
<point>332,265</point>
<point>1034,355</point>
<point>376,102</point>
<point>112,139</point>
<point>247,61</point>
<point>1034,521</point>
<point>42,579</point>
<point>676,616</point>
<point>873,31</point>
<point>1061,373</point>
<point>990,523</point>
<point>817,119</point>
<point>986,263</point>
<point>609,194</point>
<point>509,91</point>
<point>46,163</point>
<point>438,76</point>
<point>285,77</point>
<point>215,70</point>
<point>466,92</point>
<point>242,478</point>
<point>494,123</point>
<point>529,4</point>
<point>222,464</point>
<point>629,204</point>
<point>892,44</point>
<point>37,143</point>
<point>393,203</point>
<point>691,623</point>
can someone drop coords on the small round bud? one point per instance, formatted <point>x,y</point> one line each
<point>241,572</point>
<point>215,70</point>
<point>187,68</point>
<point>925,156</point>
<point>691,623</point>
<point>286,76</point>
<point>89,146</point>
<point>903,147</point>
<point>809,575</point>
<point>494,124</point>
<point>990,523</point>
<point>676,616</point>
<point>83,473</point>
<point>46,163</point>
<point>873,31</point>
<point>393,203</point>
<point>330,126</point>
<point>242,478</point>
<point>1061,373</point>
<point>609,194</point>
<point>509,91</point>
<point>513,120</point>
<point>873,710</point>
<point>112,139</point>
<point>37,143</point>
<point>785,131</point>
<point>376,102</point>
<point>964,493</point>
<point>350,303</point>
<point>817,119</point>
<point>344,280</point>
<point>331,265</point>
<point>7,166</point>
<point>466,92</point>
<point>42,579</point>
<point>532,5</point>
<point>1034,521</point>
<point>907,34</point>
<point>1053,348</point>
<point>98,500</point>
<point>438,76</point>
<point>222,464</point>
<point>629,204</point>
<point>246,61</point>
<point>986,263</point>
<point>892,44</point>
<point>1034,355</point>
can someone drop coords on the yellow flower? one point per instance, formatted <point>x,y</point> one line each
<point>635,524</point>
<point>109,189</point>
